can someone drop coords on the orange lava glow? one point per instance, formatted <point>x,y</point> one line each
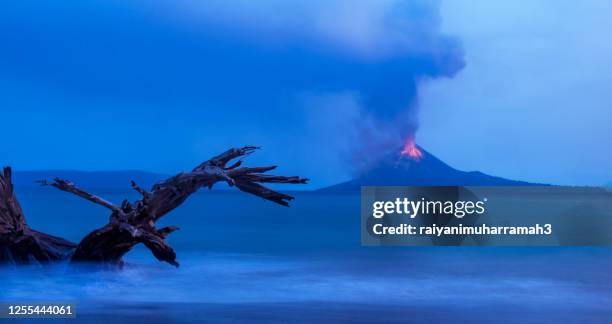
<point>411,150</point>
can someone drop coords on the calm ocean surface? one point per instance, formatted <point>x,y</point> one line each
<point>245,259</point>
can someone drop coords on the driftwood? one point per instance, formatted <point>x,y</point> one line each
<point>18,242</point>
<point>134,223</point>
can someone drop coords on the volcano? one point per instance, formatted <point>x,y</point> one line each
<point>420,169</point>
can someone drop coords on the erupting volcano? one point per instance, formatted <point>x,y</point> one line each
<point>411,150</point>
<point>413,166</point>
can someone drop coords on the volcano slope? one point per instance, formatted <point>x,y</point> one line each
<point>427,170</point>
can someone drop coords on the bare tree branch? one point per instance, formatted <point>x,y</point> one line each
<point>134,223</point>
<point>145,194</point>
<point>172,192</point>
<point>68,186</point>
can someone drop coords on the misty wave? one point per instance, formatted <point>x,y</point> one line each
<point>237,278</point>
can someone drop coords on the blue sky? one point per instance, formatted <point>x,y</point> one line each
<point>534,99</point>
<point>515,91</point>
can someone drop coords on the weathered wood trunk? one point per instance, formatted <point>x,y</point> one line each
<point>134,223</point>
<point>18,242</point>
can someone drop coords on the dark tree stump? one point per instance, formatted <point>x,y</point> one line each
<point>18,242</point>
<point>134,223</point>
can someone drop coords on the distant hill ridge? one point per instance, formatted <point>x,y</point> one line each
<point>89,179</point>
<point>393,170</point>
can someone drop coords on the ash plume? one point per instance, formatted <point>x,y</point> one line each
<point>378,50</point>
<point>248,57</point>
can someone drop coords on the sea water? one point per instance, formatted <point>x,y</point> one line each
<point>245,259</point>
